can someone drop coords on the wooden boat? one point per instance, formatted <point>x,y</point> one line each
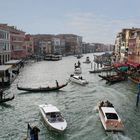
<point>113,78</point>
<point>109,117</point>
<point>95,71</point>
<point>42,89</point>
<point>32,132</point>
<point>52,117</point>
<point>6,99</point>
<point>105,77</point>
<point>136,80</point>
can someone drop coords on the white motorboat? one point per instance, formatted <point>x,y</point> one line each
<point>109,117</point>
<point>52,117</point>
<point>78,70</point>
<point>87,60</point>
<point>78,79</point>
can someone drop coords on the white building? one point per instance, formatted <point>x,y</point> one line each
<point>5,50</point>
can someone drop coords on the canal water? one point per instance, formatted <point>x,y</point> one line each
<point>77,103</point>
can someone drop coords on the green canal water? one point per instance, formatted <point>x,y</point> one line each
<point>77,103</point>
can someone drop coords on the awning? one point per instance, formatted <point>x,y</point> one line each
<point>5,67</point>
<point>123,68</point>
<point>12,62</point>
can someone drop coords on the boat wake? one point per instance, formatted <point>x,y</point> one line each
<point>96,109</point>
<point>116,136</point>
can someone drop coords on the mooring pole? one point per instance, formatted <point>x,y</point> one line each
<point>138,95</point>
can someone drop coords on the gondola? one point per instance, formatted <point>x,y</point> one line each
<point>136,80</point>
<point>111,79</point>
<point>7,99</point>
<point>42,89</point>
<point>116,79</point>
<point>106,77</point>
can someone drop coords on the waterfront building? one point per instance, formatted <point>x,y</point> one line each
<point>17,38</point>
<point>134,47</point>
<point>43,47</point>
<point>65,44</point>
<point>96,47</point>
<point>29,45</point>
<point>16,41</point>
<point>73,43</point>
<point>127,44</point>
<point>42,44</point>
<point>5,51</point>
<point>56,44</point>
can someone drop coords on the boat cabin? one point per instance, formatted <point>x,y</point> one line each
<point>109,113</point>
<point>53,114</point>
<point>16,65</point>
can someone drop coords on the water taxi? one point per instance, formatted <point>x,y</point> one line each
<point>78,79</point>
<point>52,117</point>
<point>109,117</point>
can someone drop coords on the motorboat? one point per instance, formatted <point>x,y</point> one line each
<point>78,79</point>
<point>78,70</point>
<point>52,117</point>
<point>87,60</point>
<point>109,117</point>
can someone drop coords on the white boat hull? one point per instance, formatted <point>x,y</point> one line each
<point>110,125</point>
<point>81,82</point>
<point>56,126</point>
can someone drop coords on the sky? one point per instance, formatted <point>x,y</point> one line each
<point>94,20</point>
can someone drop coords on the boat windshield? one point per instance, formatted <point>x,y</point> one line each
<point>111,116</point>
<point>54,117</point>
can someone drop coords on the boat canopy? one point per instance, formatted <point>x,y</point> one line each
<point>49,109</point>
<point>123,68</point>
<point>5,67</point>
<point>108,110</point>
<point>12,62</point>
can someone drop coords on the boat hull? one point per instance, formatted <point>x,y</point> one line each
<point>81,82</point>
<point>52,126</point>
<point>7,99</point>
<point>110,125</point>
<point>41,89</point>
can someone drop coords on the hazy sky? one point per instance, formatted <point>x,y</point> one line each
<point>94,20</point>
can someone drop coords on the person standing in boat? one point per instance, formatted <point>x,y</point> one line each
<point>79,64</point>
<point>57,83</point>
<point>1,94</point>
<point>33,132</point>
<point>75,65</point>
